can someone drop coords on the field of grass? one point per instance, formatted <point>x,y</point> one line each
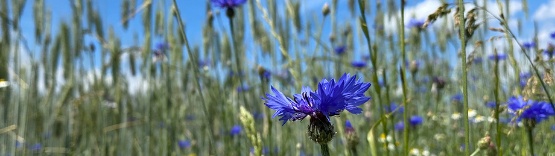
<point>458,82</point>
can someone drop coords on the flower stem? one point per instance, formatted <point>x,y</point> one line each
<point>530,139</point>
<point>325,149</point>
<point>462,34</point>
<point>496,92</point>
<point>403,80</point>
<point>475,152</point>
<point>196,74</point>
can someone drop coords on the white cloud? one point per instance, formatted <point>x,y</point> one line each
<point>421,11</point>
<point>545,11</point>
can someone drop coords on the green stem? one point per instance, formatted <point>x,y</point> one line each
<point>497,101</point>
<point>237,60</point>
<point>530,139</point>
<point>475,152</point>
<point>462,34</point>
<point>194,63</point>
<point>406,130</point>
<point>374,63</point>
<point>325,149</point>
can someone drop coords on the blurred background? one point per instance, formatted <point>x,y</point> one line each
<point>159,77</point>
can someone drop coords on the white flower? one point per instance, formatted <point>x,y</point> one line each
<point>4,83</point>
<point>471,113</point>
<point>479,119</point>
<point>491,119</point>
<point>391,146</point>
<point>389,138</point>
<point>456,116</point>
<point>414,151</point>
<point>425,153</point>
<point>439,137</point>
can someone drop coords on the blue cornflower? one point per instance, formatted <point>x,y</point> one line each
<point>415,23</point>
<point>498,57</point>
<point>36,147</point>
<point>18,144</point>
<point>549,51</point>
<point>348,124</point>
<point>331,98</point>
<point>477,60</point>
<point>552,35</point>
<point>416,120</point>
<point>235,130</point>
<point>529,45</point>
<point>228,3</point>
<point>529,109</point>
<point>524,78</point>
<point>393,106</point>
<point>243,88</point>
<point>340,50</point>
<point>204,63</point>
<point>162,46</point>
<point>399,126</point>
<point>267,74</point>
<point>366,57</point>
<point>439,82</point>
<point>349,127</point>
<point>158,55</point>
<point>457,97</point>
<point>381,83</point>
<point>358,64</point>
<point>190,117</point>
<point>490,104</point>
<point>184,144</point>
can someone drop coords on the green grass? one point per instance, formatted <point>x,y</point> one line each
<point>81,111</point>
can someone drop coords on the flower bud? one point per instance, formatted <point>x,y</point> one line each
<point>320,129</point>
<point>326,9</point>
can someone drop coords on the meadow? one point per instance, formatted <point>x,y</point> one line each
<point>276,77</point>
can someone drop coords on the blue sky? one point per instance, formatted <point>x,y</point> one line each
<point>193,13</point>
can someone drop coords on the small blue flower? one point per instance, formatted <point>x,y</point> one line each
<point>204,63</point>
<point>358,64</point>
<point>457,97</point>
<point>477,60</point>
<point>348,124</point>
<point>36,147</point>
<point>529,45</point>
<point>381,83</point>
<point>235,130</point>
<point>243,88</point>
<point>331,98</point>
<point>228,3</point>
<point>399,126</point>
<point>366,57</point>
<point>393,106</point>
<point>416,120</point>
<point>190,117</point>
<point>415,23</point>
<point>162,46</point>
<point>529,109</point>
<point>340,50</point>
<point>524,78</point>
<point>349,127</point>
<point>497,57</point>
<point>490,104</point>
<point>267,74</point>
<point>18,144</point>
<point>549,51</point>
<point>552,35</point>
<point>184,144</point>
